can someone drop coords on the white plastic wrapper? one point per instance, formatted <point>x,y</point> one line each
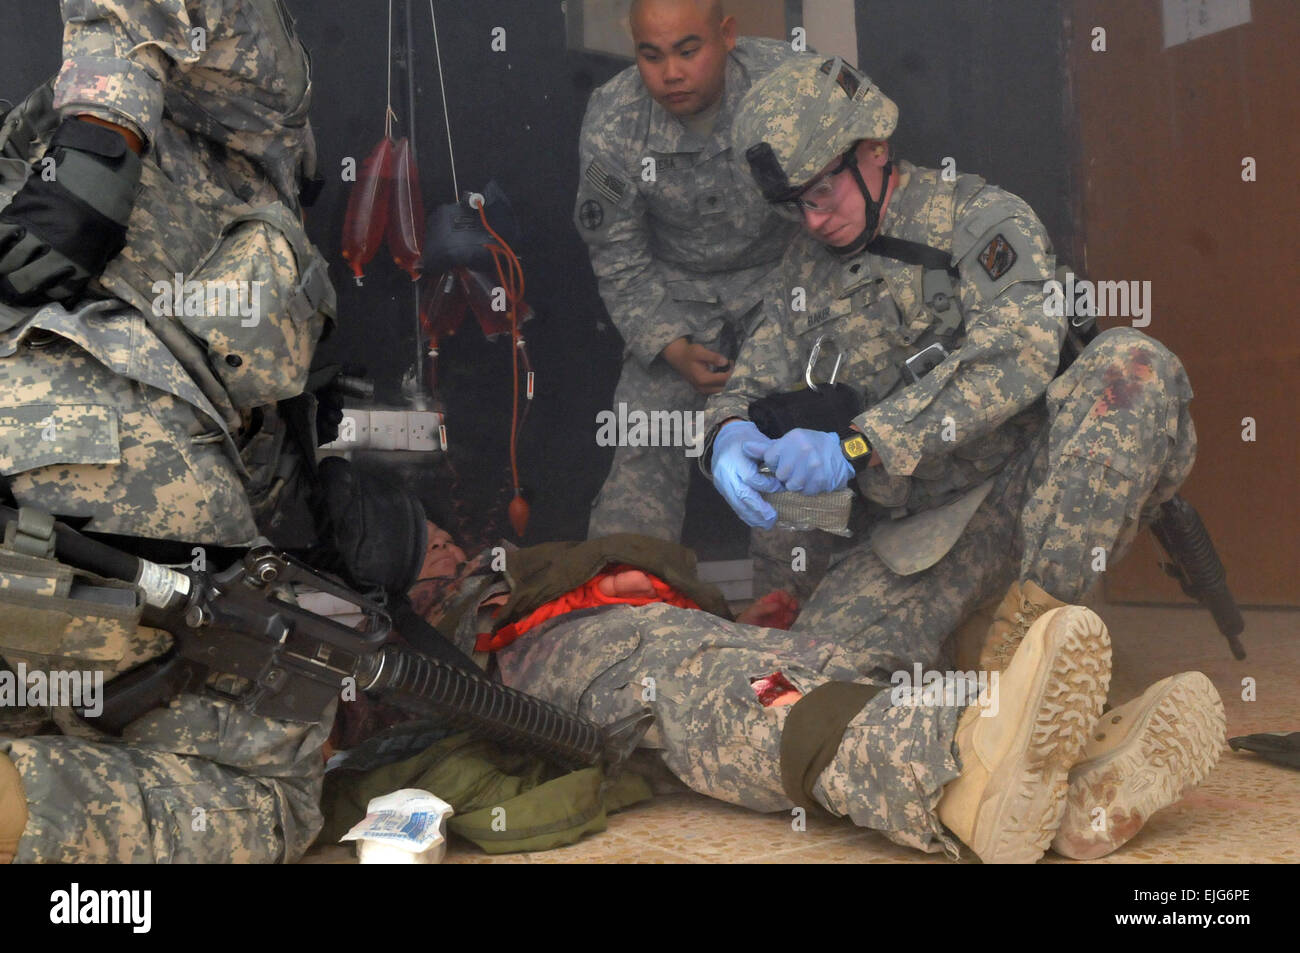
<point>406,827</point>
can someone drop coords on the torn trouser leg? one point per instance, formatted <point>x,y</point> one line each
<point>694,671</point>
<point>1119,442</point>
<point>200,781</point>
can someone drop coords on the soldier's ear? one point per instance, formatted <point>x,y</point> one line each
<point>729,32</point>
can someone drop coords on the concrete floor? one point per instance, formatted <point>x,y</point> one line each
<point>1247,811</point>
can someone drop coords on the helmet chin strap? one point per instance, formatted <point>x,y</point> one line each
<point>872,207</point>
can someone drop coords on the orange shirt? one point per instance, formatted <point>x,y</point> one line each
<point>586,596</point>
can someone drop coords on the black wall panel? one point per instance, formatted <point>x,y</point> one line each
<point>985,84</point>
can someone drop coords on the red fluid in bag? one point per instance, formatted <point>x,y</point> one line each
<point>518,511</point>
<point>443,306</point>
<point>367,215</point>
<point>406,219</point>
<point>442,311</point>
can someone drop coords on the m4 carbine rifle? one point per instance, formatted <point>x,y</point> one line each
<point>293,662</point>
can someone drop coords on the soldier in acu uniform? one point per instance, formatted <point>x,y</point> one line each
<point>158,297</point>
<point>681,244</point>
<point>770,719</point>
<point>984,473</point>
<point>984,476</point>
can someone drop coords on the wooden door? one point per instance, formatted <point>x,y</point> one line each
<point>1163,133</point>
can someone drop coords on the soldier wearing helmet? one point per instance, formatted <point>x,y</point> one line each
<point>989,490</point>
<point>178,142</point>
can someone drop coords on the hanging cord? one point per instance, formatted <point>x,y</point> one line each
<point>511,275</point>
<point>389,115</point>
<point>417,239</point>
<point>446,116</point>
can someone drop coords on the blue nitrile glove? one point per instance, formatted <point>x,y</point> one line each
<point>737,451</point>
<point>809,461</point>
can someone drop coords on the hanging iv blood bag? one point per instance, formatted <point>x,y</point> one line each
<point>406,215</point>
<point>367,215</point>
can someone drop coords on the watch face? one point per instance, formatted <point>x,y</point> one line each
<point>855,447</point>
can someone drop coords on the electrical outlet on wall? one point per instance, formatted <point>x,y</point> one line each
<point>422,430</point>
<point>388,430</point>
<point>354,431</point>
<point>415,430</point>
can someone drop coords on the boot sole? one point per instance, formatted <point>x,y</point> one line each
<point>1016,825</point>
<point>1174,744</point>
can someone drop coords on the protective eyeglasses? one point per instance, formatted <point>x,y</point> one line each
<point>818,197</point>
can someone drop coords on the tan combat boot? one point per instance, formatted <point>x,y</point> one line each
<point>1007,802</point>
<point>13,809</point>
<point>1143,756</point>
<point>1024,603</point>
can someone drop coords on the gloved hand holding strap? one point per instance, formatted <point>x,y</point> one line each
<point>61,229</point>
<point>738,449</point>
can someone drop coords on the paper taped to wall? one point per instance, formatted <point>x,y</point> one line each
<point>1190,19</point>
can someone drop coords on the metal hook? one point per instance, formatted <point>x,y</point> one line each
<point>815,354</point>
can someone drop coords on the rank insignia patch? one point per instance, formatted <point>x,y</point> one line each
<point>997,257</point>
<point>591,214</point>
<point>610,186</point>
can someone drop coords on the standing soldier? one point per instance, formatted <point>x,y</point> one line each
<point>681,243</point>
<point>158,296</point>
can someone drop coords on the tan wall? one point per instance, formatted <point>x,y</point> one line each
<point>1162,134</point>
<point>759,17</point>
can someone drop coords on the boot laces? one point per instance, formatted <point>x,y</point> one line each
<point>1024,621</point>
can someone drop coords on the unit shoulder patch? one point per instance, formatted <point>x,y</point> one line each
<point>591,214</point>
<point>998,257</point>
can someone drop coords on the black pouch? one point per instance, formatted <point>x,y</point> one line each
<point>376,528</point>
<point>456,236</point>
<point>830,408</point>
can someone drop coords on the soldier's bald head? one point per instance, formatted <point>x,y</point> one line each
<point>710,9</point>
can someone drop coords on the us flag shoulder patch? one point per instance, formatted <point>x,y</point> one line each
<point>605,183</point>
<point>997,257</point>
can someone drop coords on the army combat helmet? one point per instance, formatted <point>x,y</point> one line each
<point>795,121</point>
